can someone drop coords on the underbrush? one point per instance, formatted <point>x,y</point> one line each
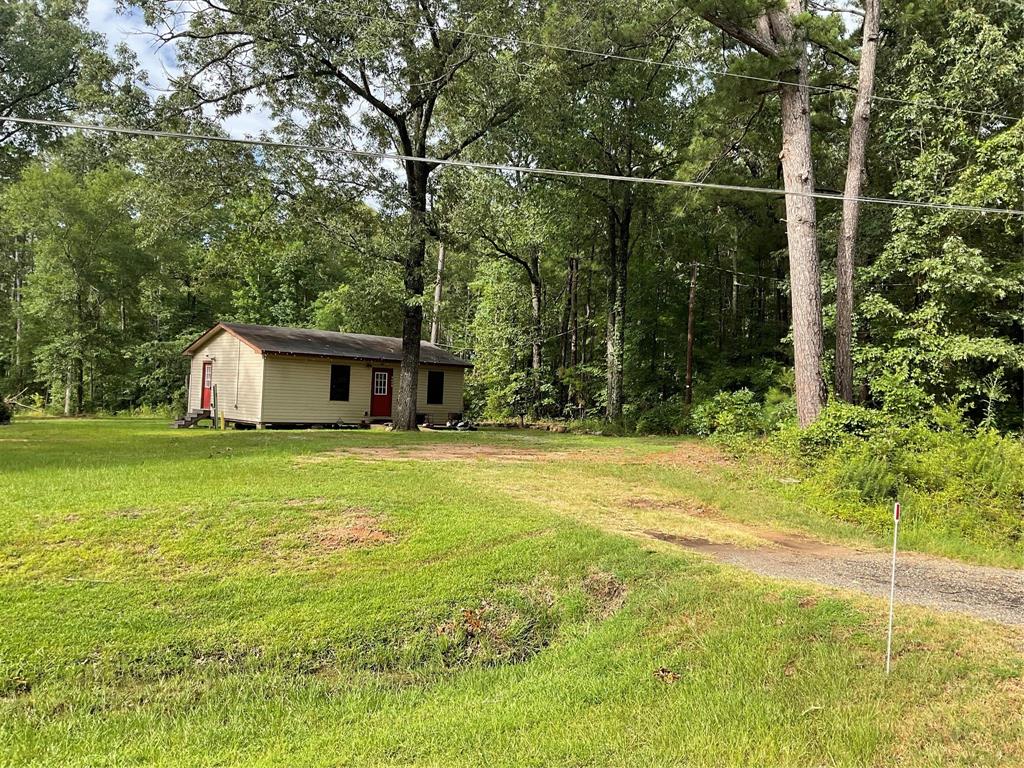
<point>955,482</point>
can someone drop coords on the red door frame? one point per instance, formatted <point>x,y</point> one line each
<point>380,404</point>
<point>207,384</point>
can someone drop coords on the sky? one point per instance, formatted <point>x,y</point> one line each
<point>160,64</point>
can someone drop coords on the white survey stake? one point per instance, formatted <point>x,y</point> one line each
<point>892,583</point>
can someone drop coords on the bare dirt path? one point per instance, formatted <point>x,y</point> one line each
<point>996,594</point>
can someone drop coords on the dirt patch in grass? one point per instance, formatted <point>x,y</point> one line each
<point>128,513</point>
<point>606,591</point>
<point>352,528</point>
<point>691,455</point>
<point>686,507</point>
<point>355,527</point>
<point>444,452</point>
<point>355,530</point>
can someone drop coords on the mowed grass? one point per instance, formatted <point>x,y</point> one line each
<point>308,598</point>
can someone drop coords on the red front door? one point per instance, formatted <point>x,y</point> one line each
<point>380,393</point>
<point>207,383</point>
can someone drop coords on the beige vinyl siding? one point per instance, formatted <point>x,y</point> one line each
<point>453,384</point>
<point>237,374</point>
<point>298,390</point>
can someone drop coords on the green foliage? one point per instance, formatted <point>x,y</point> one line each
<point>664,418</point>
<point>728,413</point>
<point>836,425</point>
<point>6,412</point>
<point>952,479</point>
<point>861,469</point>
<point>941,290</point>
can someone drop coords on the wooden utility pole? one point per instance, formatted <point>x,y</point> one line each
<point>855,164</point>
<point>690,313</point>
<point>435,320</point>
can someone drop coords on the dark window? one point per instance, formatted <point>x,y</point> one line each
<point>435,387</point>
<point>340,377</point>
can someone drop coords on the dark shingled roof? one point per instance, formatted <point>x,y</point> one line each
<point>273,340</point>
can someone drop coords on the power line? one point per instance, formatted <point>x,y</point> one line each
<point>506,168</point>
<point>650,62</point>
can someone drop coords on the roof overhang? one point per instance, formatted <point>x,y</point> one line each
<point>200,342</point>
<point>359,359</point>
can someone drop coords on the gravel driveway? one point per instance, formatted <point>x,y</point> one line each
<point>996,594</point>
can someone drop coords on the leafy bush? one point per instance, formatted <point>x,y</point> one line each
<point>838,422</point>
<point>665,418</point>
<point>869,475</point>
<point>6,412</point>
<point>954,481</point>
<point>728,413</point>
<point>596,425</point>
<point>900,397</point>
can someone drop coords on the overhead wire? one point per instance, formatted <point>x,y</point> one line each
<point>508,168</point>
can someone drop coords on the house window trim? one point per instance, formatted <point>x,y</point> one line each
<point>381,378</point>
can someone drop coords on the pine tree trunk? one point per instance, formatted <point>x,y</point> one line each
<point>80,386</point>
<point>435,319</point>
<point>804,268</point>
<point>776,36</point>
<point>855,165</point>
<point>690,314</point>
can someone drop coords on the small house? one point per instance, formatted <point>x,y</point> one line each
<point>267,376</point>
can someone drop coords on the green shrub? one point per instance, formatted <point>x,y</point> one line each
<point>728,413</point>
<point>595,425</point>
<point>6,412</point>
<point>664,418</point>
<point>953,481</point>
<point>868,475</point>
<point>900,397</point>
<point>837,423</point>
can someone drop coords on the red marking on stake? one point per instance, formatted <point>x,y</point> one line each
<point>896,511</point>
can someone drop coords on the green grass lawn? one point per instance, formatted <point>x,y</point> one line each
<point>306,598</point>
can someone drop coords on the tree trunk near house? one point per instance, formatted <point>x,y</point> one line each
<point>690,316</point>
<point>855,165</point>
<point>404,415</point>
<point>435,318</point>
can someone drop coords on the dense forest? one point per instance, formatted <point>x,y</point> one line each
<point>582,297</point>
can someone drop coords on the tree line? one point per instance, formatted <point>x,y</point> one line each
<point>574,296</point>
